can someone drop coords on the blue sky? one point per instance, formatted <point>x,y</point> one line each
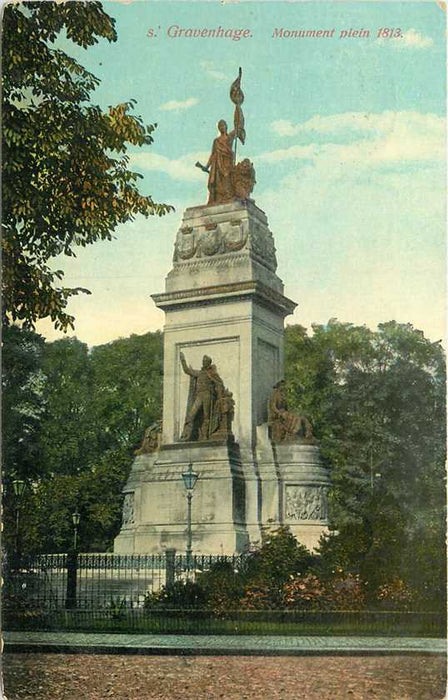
<point>347,137</point>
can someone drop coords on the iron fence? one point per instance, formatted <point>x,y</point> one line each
<point>98,581</point>
<point>107,592</point>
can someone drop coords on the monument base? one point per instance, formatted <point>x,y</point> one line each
<point>304,490</point>
<point>159,511</point>
<point>291,488</point>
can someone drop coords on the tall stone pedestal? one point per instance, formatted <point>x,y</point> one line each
<point>222,299</point>
<point>159,517</point>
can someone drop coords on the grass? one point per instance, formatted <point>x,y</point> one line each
<point>239,623</point>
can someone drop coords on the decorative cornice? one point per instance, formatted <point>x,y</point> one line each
<point>188,445</point>
<point>217,210</point>
<point>224,292</point>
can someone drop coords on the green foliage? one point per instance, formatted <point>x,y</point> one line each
<point>65,177</point>
<point>377,401</point>
<point>279,557</point>
<point>269,567</point>
<point>279,575</point>
<point>23,403</point>
<point>128,377</point>
<point>68,430</point>
<point>222,585</point>
<point>74,418</point>
<point>183,594</point>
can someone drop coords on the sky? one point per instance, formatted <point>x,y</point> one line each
<point>347,136</point>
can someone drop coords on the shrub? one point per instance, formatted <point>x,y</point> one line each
<point>222,587</point>
<point>258,597</point>
<point>279,557</point>
<point>305,593</point>
<point>395,594</point>
<point>183,594</point>
<point>347,591</point>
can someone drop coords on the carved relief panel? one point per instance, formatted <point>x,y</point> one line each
<point>306,503</point>
<point>128,509</point>
<point>223,238</point>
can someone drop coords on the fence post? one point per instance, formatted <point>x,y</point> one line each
<point>170,555</point>
<point>72,569</point>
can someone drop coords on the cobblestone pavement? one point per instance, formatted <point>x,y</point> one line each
<point>221,644</point>
<point>99,677</point>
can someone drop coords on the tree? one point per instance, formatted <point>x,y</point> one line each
<point>73,418</point>
<point>69,437</point>
<point>23,406</point>
<point>128,378</point>
<point>95,492</point>
<point>65,176</point>
<point>377,400</point>
<point>23,403</point>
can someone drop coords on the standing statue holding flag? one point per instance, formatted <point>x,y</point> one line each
<point>227,180</point>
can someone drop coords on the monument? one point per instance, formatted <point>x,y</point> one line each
<point>224,405</point>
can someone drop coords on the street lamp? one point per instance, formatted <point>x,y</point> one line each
<point>19,487</point>
<point>76,517</point>
<point>190,478</point>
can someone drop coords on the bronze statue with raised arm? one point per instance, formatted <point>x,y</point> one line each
<point>204,384</point>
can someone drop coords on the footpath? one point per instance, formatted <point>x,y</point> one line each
<point>217,645</point>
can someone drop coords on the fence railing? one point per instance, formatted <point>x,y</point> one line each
<point>100,592</point>
<point>96,581</point>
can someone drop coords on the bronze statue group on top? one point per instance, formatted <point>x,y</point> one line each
<point>227,179</point>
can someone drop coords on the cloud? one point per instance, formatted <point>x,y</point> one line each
<point>413,40</point>
<point>409,40</point>
<point>178,169</point>
<point>364,249</point>
<point>356,121</point>
<point>291,153</point>
<point>371,140</point>
<point>179,105</point>
<point>209,68</point>
<point>333,124</point>
<point>357,208</point>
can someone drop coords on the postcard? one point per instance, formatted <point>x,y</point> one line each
<point>223,348</point>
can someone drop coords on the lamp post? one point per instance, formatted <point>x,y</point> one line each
<point>19,487</point>
<point>76,517</point>
<point>72,565</point>
<point>190,478</point>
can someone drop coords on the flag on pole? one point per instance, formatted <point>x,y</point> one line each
<point>237,97</point>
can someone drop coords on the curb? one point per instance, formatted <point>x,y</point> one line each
<point>50,648</point>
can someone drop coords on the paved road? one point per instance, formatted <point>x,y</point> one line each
<point>78,642</point>
<point>138,677</point>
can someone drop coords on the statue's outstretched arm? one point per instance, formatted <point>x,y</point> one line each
<point>187,369</point>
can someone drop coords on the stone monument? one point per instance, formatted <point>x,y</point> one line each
<point>224,407</point>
